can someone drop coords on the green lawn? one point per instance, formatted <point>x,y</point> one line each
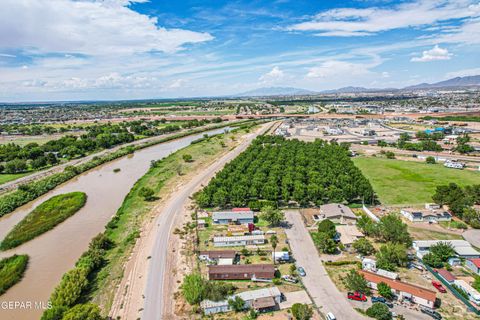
<point>404,182</point>
<point>11,271</point>
<point>44,217</point>
<point>6,177</point>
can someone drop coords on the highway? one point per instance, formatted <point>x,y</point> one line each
<point>155,292</point>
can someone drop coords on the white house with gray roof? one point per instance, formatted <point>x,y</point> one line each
<point>265,298</point>
<point>238,217</point>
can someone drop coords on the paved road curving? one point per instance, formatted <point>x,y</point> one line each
<point>323,291</point>
<point>472,236</point>
<point>154,307</point>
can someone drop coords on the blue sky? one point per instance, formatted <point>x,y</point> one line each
<point>121,49</point>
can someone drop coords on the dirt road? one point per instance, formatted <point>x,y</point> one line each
<point>317,282</point>
<point>148,283</point>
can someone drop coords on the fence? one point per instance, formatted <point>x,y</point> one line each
<point>370,214</point>
<point>454,291</point>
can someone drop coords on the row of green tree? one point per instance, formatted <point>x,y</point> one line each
<point>32,190</point>
<point>74,285</point>
<point>460,201</point>
<point>280,170</point>
<point>15,158</point>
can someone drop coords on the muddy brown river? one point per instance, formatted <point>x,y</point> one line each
<point>55,252</point>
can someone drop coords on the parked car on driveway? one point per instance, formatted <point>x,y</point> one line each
<point>432,313</point>
<point>357,296</point>
<point>439,286</point>
<point>301,271</point>
<point>382,300</point>
<point>378,299</point>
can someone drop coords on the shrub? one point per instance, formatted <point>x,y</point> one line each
<point>379,311</point>
<point>11,271</point>
<point>301,311</point>
<point>44,218</point>
<point>430,160</point>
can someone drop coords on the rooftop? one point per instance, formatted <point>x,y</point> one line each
<point>476,262</point>
<point>241,268</point>
<point>217,254</point>
<point>336,209</point>
<point>246,296</point>
<point>239,238</point>
<point>446,275</point>
<point>232,215</point>
<point>401,286</point>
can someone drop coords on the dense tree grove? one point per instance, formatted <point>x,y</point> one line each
<point>460,201</point>
<point>427,141</point>
<point>15,158</point>
<point>280,170</point>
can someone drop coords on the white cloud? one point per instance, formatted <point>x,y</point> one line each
<point>177,83</point>
<point>274,75</point>
<point>91,27</point>
<point>434,54</point>
<point>463,73</point>
<point>361,22</point>
<point>336,69</point>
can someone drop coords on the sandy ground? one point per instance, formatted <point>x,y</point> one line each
<point>130,296</point>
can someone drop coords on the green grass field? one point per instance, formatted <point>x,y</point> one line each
<point>6,177</point>
<point>403,182</point>
<point>11,271</point>
<point>44,217</point>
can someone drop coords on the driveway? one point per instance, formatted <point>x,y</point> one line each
<point>295,297</point>
<point>317,282</point>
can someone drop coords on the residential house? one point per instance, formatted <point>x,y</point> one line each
<point>236,217</point>
<point>473,295</point>
<point>237,241</point>
<point>454,261</point>
<point>473,264</point>
<point>348,234</point>
<point>338,213</point>
<point>426,215</point>
<point>241,272</point>
<point>217,256</point>
<point>461,247</point>
<point>446,275</point>
<point>403,290</point>
<point>260,300</point>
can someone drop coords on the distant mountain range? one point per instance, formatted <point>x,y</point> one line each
<point>454,82</point>
<point>458,82</point>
